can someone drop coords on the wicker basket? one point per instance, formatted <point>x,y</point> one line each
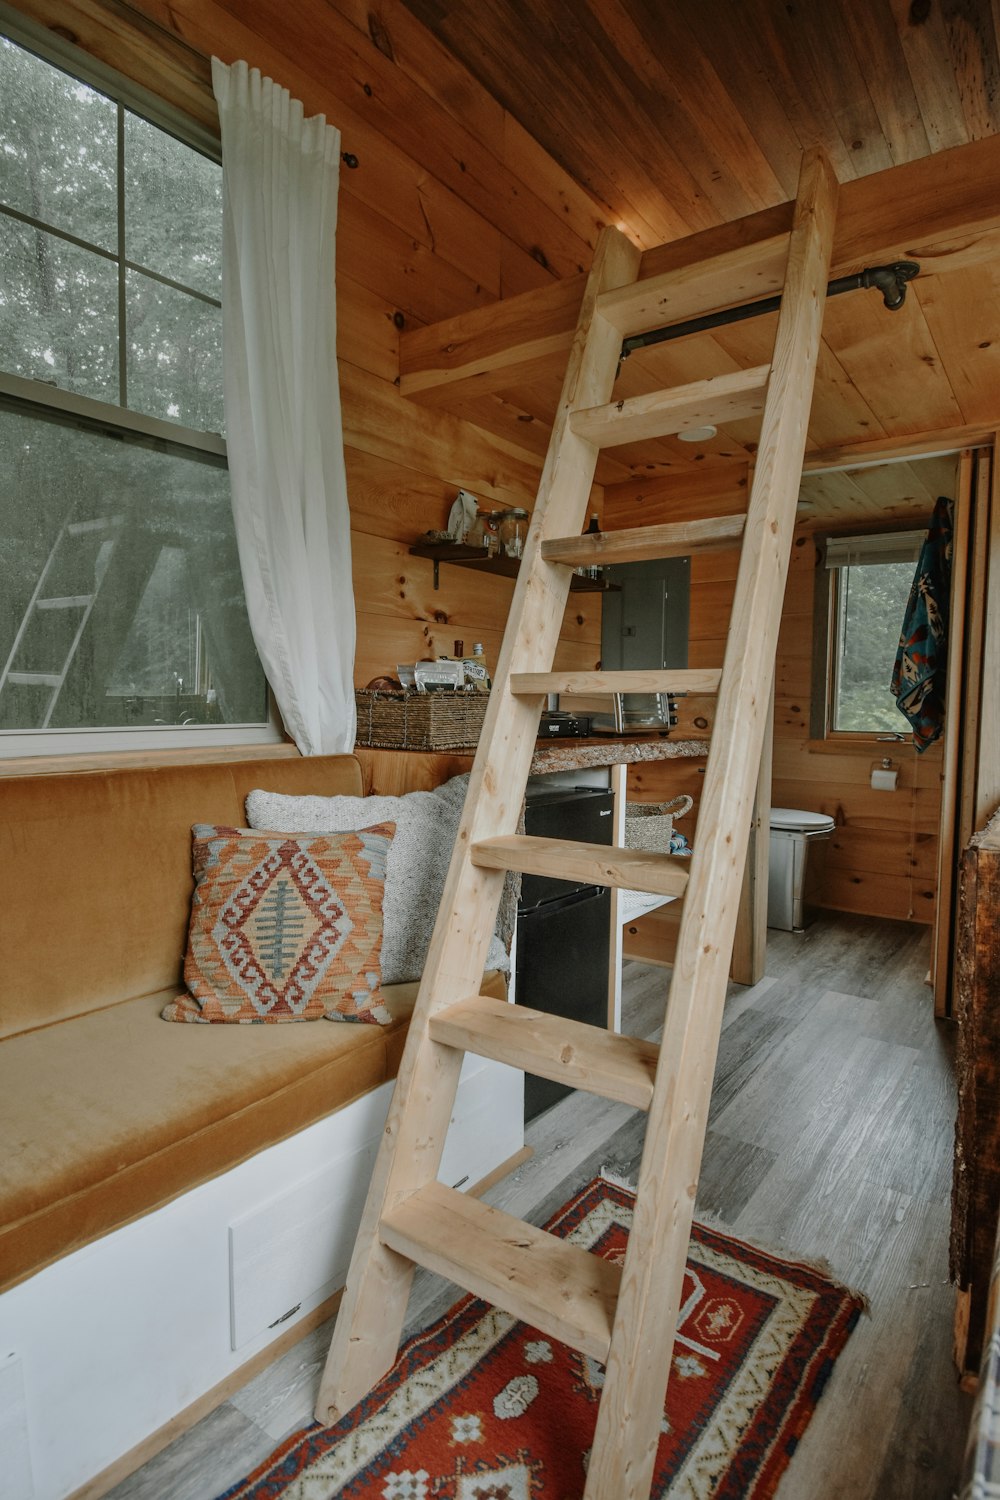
<point>649,825</point>
<point>420,721</point>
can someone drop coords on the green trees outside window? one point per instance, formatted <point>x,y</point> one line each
<point>871,600</point>
<point>121,603</point>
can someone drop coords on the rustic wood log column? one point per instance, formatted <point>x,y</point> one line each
<point>976,1188</point>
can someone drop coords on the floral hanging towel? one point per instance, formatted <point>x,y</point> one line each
<point>918,677</point>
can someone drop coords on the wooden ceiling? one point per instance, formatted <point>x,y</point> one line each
<point>684,115</point>
<point>872,496</point>
<point>681,114</point>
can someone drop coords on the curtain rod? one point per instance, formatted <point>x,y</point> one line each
<point>890,280</point>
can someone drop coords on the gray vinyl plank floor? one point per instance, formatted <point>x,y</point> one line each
<point>830,1139</point>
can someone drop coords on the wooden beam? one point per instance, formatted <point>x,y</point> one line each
<point>711,402</point>
<point>905,211</point>
<point>905,445</point>
<point>598,864</point>
<point>642,680</point>
<point>988,764</point>
<point>948,850</point>
<point>584,1057</point>
<point>672,295</point>
<point>471,355</point>
<point>549,1283</point>
<point>638,543</point>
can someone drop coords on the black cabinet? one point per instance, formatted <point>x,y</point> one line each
<point>645,619</point>
<point>564,927</point>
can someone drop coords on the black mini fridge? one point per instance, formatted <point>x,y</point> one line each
<point>564,927</point>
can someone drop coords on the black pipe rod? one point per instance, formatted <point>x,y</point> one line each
<point>891,281</point>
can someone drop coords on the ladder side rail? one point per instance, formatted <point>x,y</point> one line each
<point>104,555</point>
<point>648,1307</point>
<point>31,606</point>
<point>370,1320</point>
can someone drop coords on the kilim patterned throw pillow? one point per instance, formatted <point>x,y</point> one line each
<point>285,927</point>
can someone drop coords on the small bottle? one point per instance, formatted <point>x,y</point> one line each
<point>491,533</point>
<point>461,656</point>
<point>592,530</point>
<point>477,671</point>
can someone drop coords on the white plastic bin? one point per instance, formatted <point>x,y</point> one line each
<point>797,851</point>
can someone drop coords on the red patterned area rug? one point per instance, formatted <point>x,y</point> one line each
<point>482,1407</point>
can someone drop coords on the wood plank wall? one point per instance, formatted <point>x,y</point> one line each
<point>882,858</point>
<point>451,206</point>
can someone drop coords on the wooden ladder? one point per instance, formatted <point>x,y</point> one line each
<point>75,568</point>
<point>624,1317</point>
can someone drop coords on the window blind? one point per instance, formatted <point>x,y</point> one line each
<point>888,547</point>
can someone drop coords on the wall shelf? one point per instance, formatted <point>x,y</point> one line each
<point>499,567</point>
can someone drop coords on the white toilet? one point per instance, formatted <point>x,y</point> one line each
<point>797,852</point>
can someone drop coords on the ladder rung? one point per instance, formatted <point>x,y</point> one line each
<point>67,601</point>
<point>570,1052</point>
<point>596,864</point>
<point>35,679</point>
<point>643,543</point>
<point>735,276</point>
<point>586,684</point>
<point>100,523</point>
<point>549,1283</point>
<point>717,400</point>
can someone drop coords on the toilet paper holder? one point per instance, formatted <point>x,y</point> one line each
<point>884,775</point>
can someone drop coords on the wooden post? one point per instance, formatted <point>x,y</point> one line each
<point>976,1185</point>
<point>944,906</point>
<point>988,768</point>
<point>750,943</point>
<point>631,1410</point>
<point>619,785</point>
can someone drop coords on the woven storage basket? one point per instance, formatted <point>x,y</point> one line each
<point>649,825</point>
<point>420,721</point>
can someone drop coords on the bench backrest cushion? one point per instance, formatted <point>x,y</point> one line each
<point>95,875</point>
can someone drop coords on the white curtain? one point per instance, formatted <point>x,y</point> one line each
<point>286,456</point>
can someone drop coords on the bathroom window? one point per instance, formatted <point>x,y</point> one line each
<point>122,617</point>
<point>869,584</point>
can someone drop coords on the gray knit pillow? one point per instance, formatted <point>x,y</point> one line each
<point>419,854</point>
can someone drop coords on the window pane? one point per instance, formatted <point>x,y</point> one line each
<point>58,144</point>
<point>173,208</point>
<point>871,605</point>
<point>58,312</point>
<point>174,354</point>
<point>139,616</point>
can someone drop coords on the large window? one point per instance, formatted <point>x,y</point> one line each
<point>870,579</point>
<point>121,604</point>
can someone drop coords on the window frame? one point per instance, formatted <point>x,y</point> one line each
<point>825,642</point>
<point>37,399</point>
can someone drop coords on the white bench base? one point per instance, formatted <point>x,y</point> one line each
<point>106,1347</point>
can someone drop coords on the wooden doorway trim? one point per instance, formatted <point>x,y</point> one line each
<point>971,763</point>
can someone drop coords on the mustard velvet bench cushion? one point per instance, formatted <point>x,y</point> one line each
<point>112,1114</point>
<point>106,1111</point>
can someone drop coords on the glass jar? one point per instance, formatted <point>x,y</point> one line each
<point>476,534</point>
<point>491,533</point>
<point>513,531</point>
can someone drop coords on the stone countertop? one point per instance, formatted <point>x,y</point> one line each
<point>578,755</point>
